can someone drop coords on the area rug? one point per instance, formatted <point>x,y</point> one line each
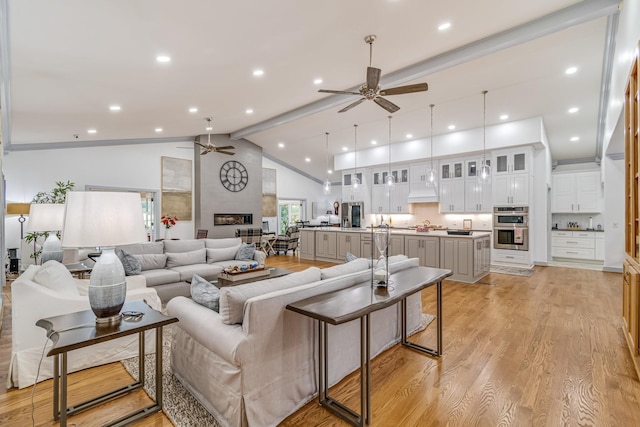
<point>179,405</point>
<point>515,271</point>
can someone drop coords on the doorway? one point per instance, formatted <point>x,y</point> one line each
<point>289,212</point>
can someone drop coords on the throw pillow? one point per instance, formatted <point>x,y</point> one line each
<point>131,264</point>
<point>350,257</point>
<point>56,276</point>
<point>151,261</point>
<point>222,254</point>
<point>186,258</point>
<point>245,252</point>
<point>205,293</point>
<point>233,298</point>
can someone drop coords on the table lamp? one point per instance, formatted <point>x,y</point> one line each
<point>104,219</point>
<point>21,209</point>
<point>47,217</point>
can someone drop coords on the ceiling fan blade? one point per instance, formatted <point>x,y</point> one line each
<point>226,152</point>
<point>387,105</point>
<point>226,147</point>
<point>418,87</point>
<point>373,77</point>
<point>350,106</point>
<point>340,92</point>
<point>201,145</point>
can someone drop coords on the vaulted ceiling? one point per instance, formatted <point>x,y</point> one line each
<point>70,60</point>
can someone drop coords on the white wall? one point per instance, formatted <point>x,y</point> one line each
<point>126,166</point>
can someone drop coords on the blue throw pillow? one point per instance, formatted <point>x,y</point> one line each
<point>245,252</point>
<point>205,293</point>
<point>350,257</point>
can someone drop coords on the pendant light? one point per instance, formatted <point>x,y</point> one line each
<point>484,175</point>
<point>389,181</point>
<point>326,186</point>
<point>432,174</point>
<point>355,182</point>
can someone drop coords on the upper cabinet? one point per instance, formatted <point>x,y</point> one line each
<point>576,192</point>
<point>351,193</point>
<point>394,201</point>
<point>451,169</point>
<point>478,196</point>
<point>511,173</point>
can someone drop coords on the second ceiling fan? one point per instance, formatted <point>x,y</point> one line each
<point>371,89</point>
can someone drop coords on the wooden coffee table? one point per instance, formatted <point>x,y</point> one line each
<point>239,279</point>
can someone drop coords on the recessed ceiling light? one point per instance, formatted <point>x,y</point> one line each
<point>193,110</point>
<point>92,131</point>
<point>573,110</point>
<point>114,107</point>
<point>163,58</point>
<point>317,81</point>
<point>374,142</point>
<point>258,73</point>
<point>249,111</point>
<point>281,144</point>
<point>306,159</point>
<point>575,138</point>
<point>329,171</point>
<point>571,70</point>
<point>452,127</point>
<point>345,149</point>
<point>444,26</point>
<point>158,130</point>
<point>504,117</point>
<point>409,135</point>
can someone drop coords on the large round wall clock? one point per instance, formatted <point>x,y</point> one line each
<point>234,176</point>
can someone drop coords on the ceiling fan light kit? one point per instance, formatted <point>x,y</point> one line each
<point>209,147</point>
<point>372,91</point>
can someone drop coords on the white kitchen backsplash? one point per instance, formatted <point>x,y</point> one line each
<point>581,219</point>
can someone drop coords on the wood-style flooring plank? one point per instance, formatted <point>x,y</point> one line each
<point>544,350</point>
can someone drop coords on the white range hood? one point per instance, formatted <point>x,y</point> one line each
<point>423,195</point>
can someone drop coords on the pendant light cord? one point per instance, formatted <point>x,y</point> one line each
<point>355,151</point>
<point>326,155</point>
<point>389,165</point>
<point>484,128</point>
<point>431,128</point>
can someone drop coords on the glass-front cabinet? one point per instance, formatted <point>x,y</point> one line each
<point>512,161</point>
<point>452,169</point>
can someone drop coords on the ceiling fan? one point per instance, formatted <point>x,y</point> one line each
<point>209,147</point>
<point>372,91</point>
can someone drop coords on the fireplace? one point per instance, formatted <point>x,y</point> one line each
<point>232,219</point>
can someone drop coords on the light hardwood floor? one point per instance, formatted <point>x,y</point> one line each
<point>519,351</point>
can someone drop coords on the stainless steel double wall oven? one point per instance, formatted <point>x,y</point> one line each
<point>511,228</point>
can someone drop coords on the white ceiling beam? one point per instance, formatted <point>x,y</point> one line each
<point>579,13</point>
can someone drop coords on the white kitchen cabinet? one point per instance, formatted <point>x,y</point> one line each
<point>510,189</point>
<point>396,201</point>
<point>351,194</point>
<point>451,169</point>
<point>425,248</point>
<point>478,196</point>
<point>512,161</point>
<point>418,174</point>
<point>400,199</point>
<point>599,246</point>
<point>576,244</point>
<point>348,242</point>
<point>576,192</point>
<point>452,196</point>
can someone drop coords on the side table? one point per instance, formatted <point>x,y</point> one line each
<point>77,330</point>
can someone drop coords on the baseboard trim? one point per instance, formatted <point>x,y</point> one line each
<point>612,269</point>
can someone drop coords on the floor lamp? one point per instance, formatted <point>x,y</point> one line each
<point>21,209</point>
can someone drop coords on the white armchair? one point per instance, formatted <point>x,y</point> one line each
<point>49,290</point>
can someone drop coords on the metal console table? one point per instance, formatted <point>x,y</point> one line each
<point>77,330</point>
<point>358,302</point>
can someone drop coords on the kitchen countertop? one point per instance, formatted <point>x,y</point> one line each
<point>406,231</point>
<point>573,229</point>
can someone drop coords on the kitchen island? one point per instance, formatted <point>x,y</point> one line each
<point>468,256</point>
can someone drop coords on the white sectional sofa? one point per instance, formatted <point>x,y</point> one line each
<point>49,290</point>
<point>253,363</point>
<point>169,265</point>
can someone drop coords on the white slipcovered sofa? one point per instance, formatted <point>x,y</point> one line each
<point>253,363</point>
<point>50,290</point>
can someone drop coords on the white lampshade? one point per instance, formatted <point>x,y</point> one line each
<point>100,218</point>
<point>46,217</point>
<point>106,219</point>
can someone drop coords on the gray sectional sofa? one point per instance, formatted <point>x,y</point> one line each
<point>252,362</point>
<point>169,265</point>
